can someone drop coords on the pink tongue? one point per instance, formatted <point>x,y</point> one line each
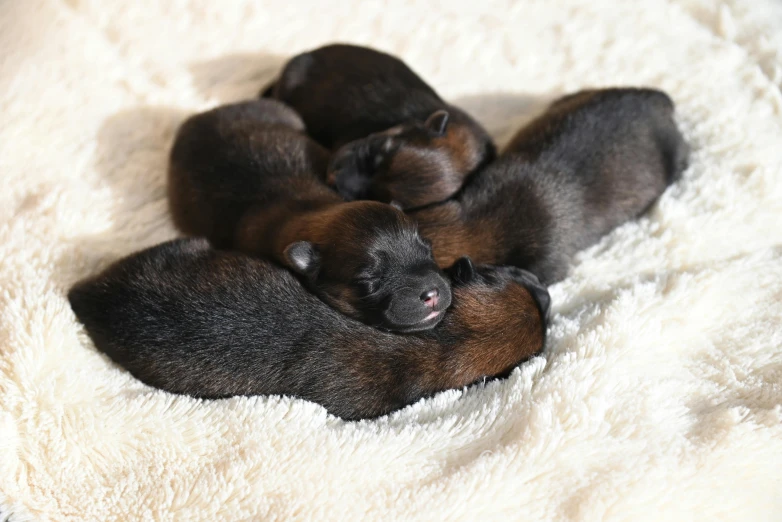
<point>432,316</point>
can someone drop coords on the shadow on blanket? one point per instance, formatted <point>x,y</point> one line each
<point>132,158</point>
<point>235,77</point>
<point>502,113</point>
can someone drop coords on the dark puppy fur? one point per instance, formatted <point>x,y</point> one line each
<point>246,177</point>
<point>192,320</point>
<point>594,160</point>
<point>396,139</point>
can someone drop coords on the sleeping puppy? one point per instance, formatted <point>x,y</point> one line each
<point>188,319</point>
<point>594,160</point>
<point>246,177</point>
<point>395,138</point>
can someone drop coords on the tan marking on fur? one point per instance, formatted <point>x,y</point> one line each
<point>414,183</point>
<point>500,330</point>
<point>460,140</point>
<point>453,237</point>
<point>507,331</point>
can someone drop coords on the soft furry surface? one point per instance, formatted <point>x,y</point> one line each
<point>659,396</point>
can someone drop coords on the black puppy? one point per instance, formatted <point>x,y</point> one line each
<point>397,139</point>
<point>246,177</point>
<point>594,160</point>
<point>188,319</point>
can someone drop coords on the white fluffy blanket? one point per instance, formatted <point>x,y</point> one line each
<point>658,397</point>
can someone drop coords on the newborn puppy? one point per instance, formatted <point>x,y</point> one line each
<point>192,320</point>
<point>594,160</point>
<point>246,177</point>
<point>396,139</point>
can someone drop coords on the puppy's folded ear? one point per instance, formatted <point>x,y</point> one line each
<point>397,205</point>
<point>437,122</point>
<point>462,271</point>
<point>303,257</point>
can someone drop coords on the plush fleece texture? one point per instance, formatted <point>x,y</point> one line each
<point>658,396</point>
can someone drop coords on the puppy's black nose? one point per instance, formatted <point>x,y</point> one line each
<point>431,297</point>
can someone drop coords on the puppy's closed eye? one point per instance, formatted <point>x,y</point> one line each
<point>370,285</point>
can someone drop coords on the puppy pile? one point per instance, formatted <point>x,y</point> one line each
<point>359,241</point>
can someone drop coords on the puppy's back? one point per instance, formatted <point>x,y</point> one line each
<point>190,319</point>
<point>229,158</point>
<point>619,148</point>
<point>360,89</point>
<point>603,125</point>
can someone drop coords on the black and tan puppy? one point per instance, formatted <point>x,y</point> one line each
<point>246,177</point>
<point>594,160</point>
<point>192,320</point>
<point>396,139</point>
